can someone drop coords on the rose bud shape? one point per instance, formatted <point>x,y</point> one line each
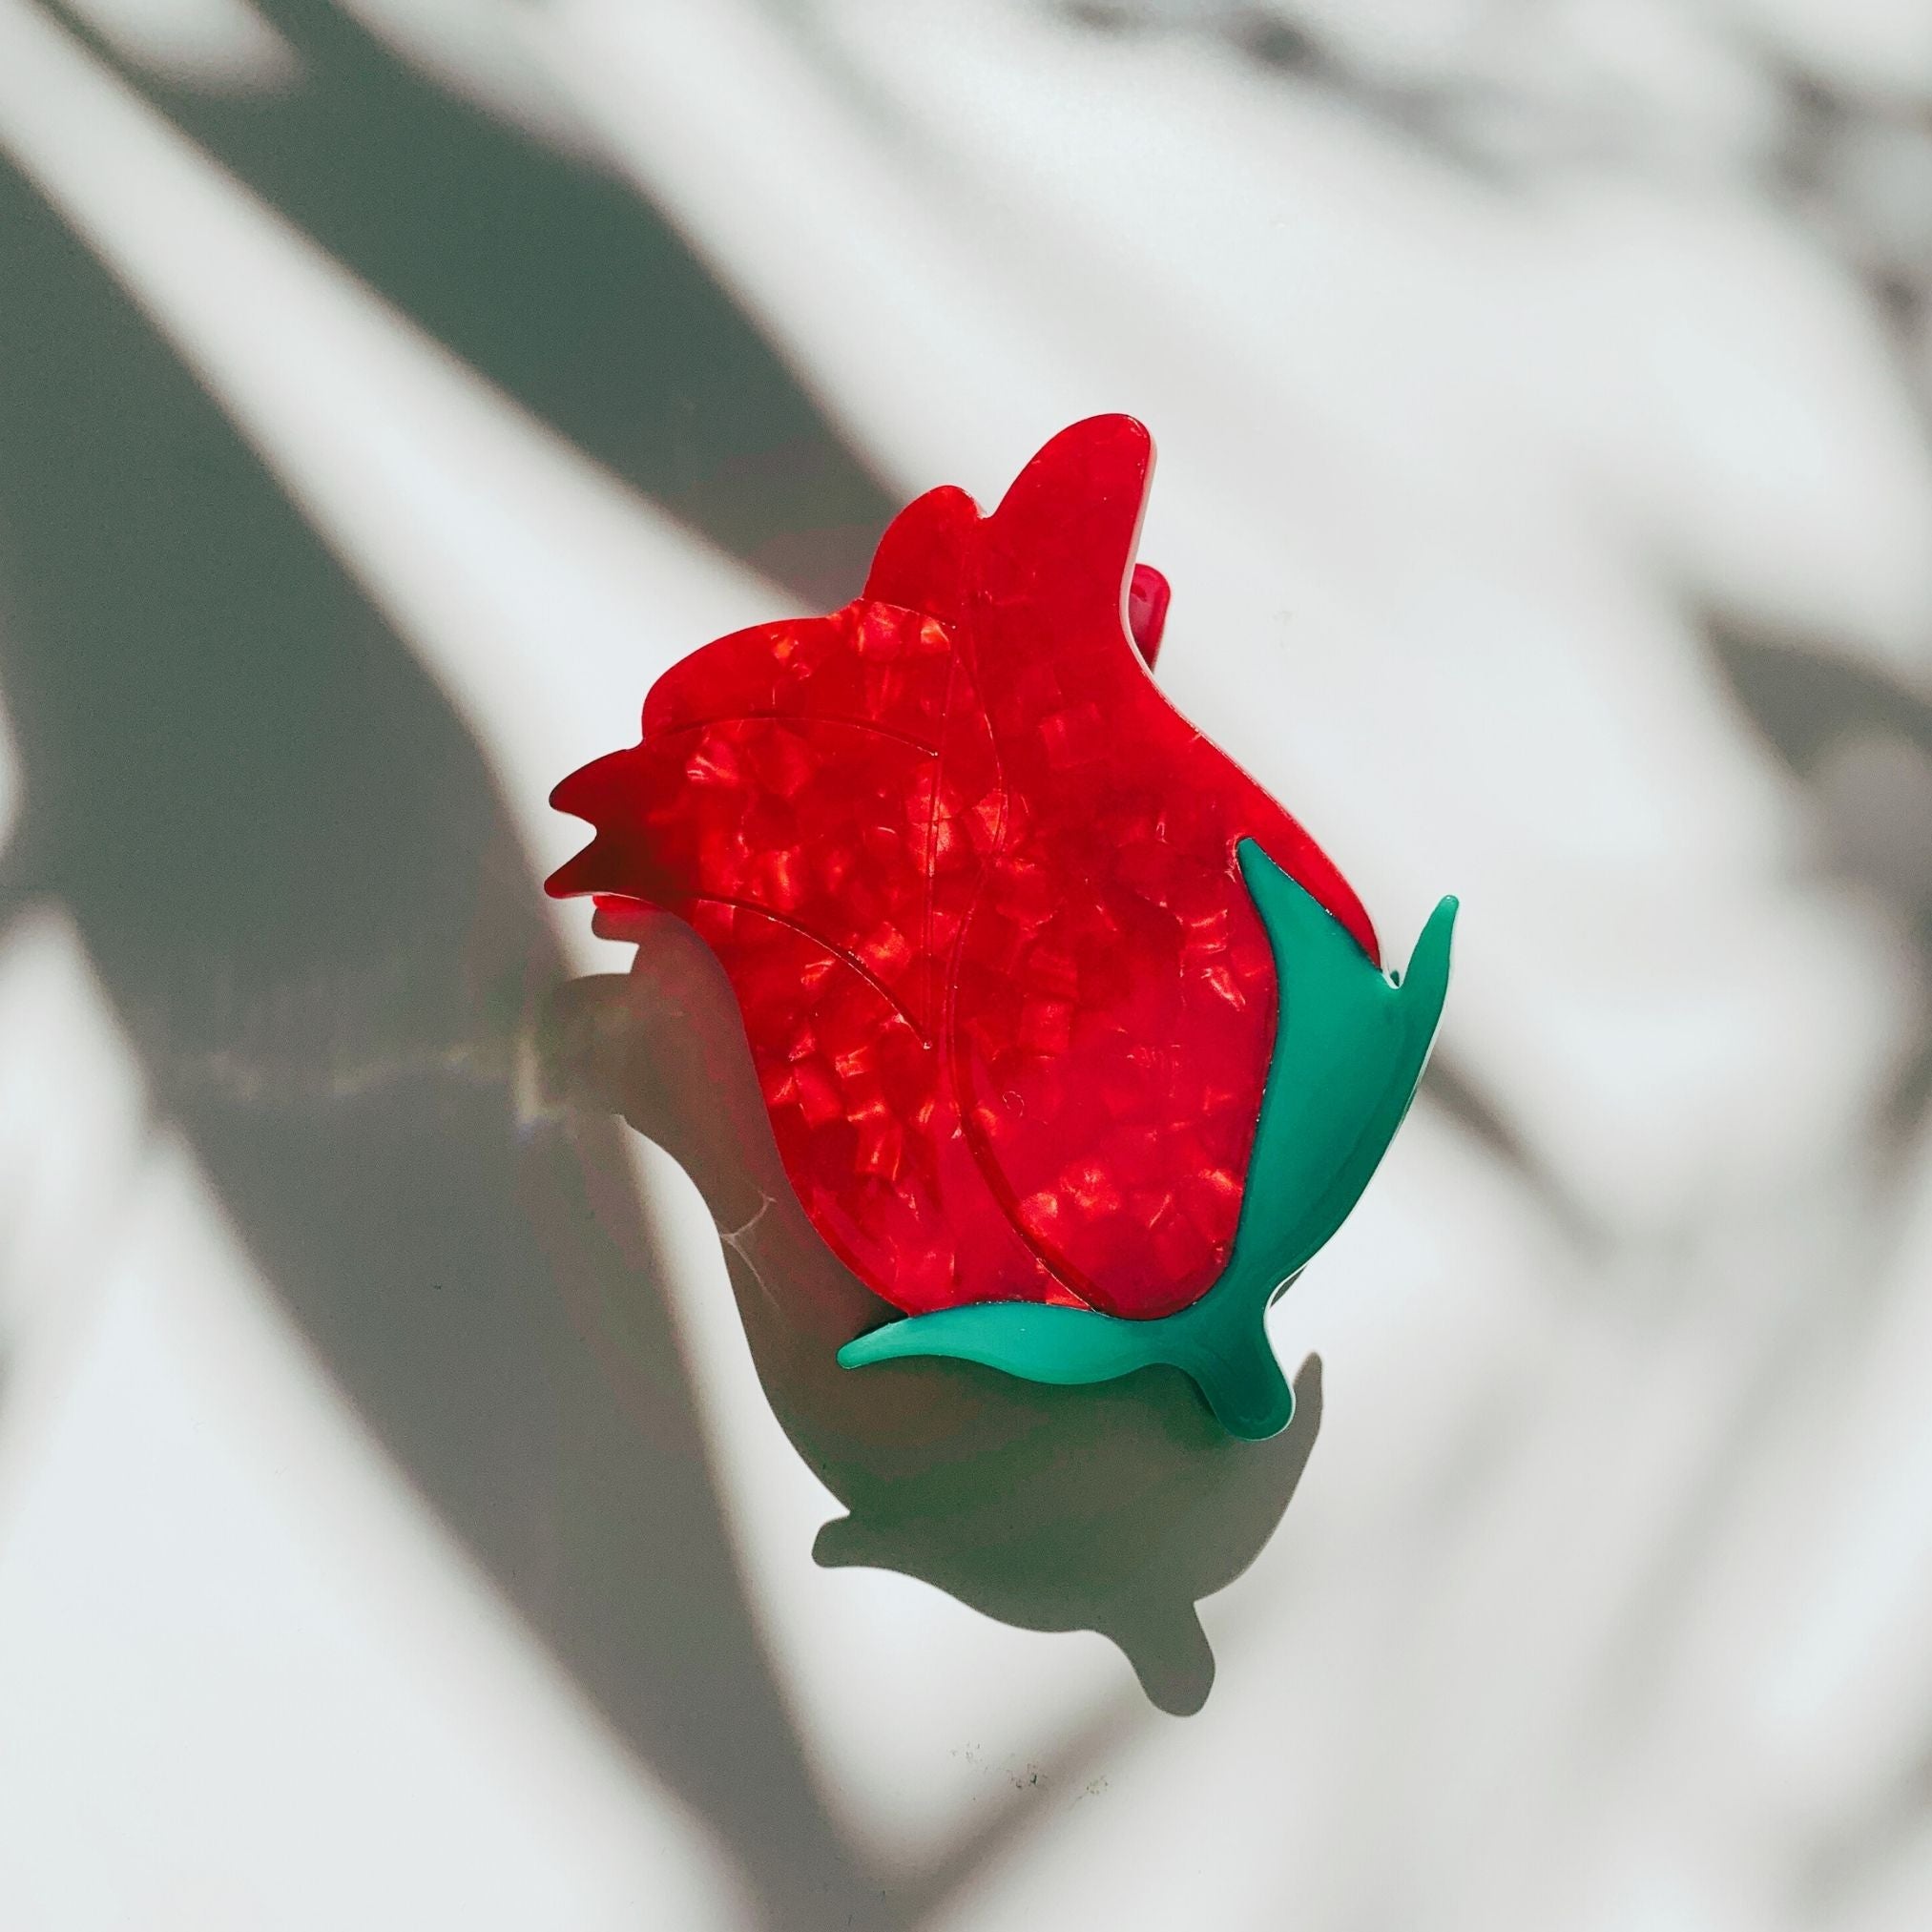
<point>1076,1046</point>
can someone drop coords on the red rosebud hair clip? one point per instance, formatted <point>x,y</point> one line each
<point>1076,1046</point>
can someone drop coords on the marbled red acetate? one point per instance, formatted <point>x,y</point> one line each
<point>973,880</point>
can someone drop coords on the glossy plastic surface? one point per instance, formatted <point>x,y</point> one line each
<point>1147,596</point>
<point>974,882</point>
<point>1349,1052</point>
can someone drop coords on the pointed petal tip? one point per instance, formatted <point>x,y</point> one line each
<point>1121,443</point>
<point>878,1344</point>
<point>1437,933</point>
<point>1103,459</point>
<point>574,877</point>
<point>1112,426</point>
<point>1425,982</point>
<point>572,795</point>
<point>921,552</point>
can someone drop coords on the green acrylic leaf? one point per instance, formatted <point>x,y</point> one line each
<point>1350,1045</point>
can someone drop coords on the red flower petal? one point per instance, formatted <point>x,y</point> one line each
<point>973,878</point>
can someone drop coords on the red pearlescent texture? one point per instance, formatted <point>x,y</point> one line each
<point>973,880</point>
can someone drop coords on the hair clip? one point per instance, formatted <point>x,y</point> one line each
<point>1076,1046</point>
